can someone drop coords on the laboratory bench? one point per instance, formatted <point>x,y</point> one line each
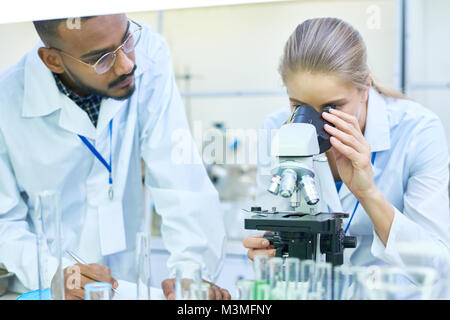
<point>9,296</point>
<point>236,266</point>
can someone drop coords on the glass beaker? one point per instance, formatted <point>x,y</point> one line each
<point>245,289</point>
<point>143,266</point>
<point>321,284</point>
<point>305,289</point>
<point>393,283</point>
<point>98,291</point>
<point>48,241</point>
<point>261,284</point>
<point>188,281</point>
<point>345,283</point>
<point>204,293</point>
<point>442,290</point>
<point>292,278</point>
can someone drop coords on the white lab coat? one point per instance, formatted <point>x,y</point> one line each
<point>411,170</point>
<point>40,150</point>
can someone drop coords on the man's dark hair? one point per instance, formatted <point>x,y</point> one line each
<point>48,29</point>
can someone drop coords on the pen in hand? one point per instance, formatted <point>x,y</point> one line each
<point>81,261</point>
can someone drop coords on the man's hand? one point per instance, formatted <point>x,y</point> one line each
<point>77,276</point>
<point>258,245</point>
<point>215,292</point>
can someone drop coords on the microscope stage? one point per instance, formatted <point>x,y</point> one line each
<point>323,222</point>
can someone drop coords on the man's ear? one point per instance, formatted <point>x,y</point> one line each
<point>51,59</point>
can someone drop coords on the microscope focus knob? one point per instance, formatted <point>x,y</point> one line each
<point>349,242</point>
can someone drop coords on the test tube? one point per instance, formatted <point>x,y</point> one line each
<point>341,282</point>
<point>307,279</point>
<point>245,289</point>
<point>204,294</point>
<point>48,241</point>
<point>277,285</point>
<point>322,284</point>
<point>188,281</point>
<point>143,266</point>
<point>345,283</point>
<point>41,259</point>
<point>98,291</point>
<point>292,277</point>
<point>205,291</point>
<point>261,284</point>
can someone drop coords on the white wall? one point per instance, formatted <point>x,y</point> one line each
<point>237,48</point>
<point>18,38</point>
<point>428,56</point>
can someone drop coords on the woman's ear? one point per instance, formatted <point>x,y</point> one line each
<point>365,92</point>
<point>51,59</point>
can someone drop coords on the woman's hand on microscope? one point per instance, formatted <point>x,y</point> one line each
<point>351,151</point>
<point>258,245</point>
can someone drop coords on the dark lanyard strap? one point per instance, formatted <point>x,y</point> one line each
<point>357,202</point>
<point>97,154</point>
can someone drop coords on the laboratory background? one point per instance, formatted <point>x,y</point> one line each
<point>226,60</point>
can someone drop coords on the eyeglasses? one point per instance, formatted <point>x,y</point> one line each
<point>105,62</point>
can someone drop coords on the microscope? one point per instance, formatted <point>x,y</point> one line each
<point>302,231</point>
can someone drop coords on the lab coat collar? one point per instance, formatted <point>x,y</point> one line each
<point>39,100</point>
<point>377,131</point>
<point>142,60</point>
<point>42,97</point>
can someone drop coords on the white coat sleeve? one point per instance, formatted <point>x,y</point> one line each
<point>424,222</point>
<point>17,242</point>
<point>192,221</point>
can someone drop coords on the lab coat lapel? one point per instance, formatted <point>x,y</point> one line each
<point>377,131</point>
<point>74,119</point>
<point>109,108</point>
<point>42,97</point>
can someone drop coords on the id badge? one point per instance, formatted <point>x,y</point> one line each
<point>111,227</point>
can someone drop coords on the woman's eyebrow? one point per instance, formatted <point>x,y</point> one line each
<point>296,101</point>
<point>339,101</point>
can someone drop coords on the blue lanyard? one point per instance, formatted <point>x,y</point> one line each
<point>357,202</point>
<point>97,154</point>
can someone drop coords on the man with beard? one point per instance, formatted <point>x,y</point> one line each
<point>77,115</point>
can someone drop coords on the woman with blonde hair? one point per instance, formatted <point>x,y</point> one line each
<point>389,155</point>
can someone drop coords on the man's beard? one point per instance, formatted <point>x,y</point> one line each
<point>92,91</point>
